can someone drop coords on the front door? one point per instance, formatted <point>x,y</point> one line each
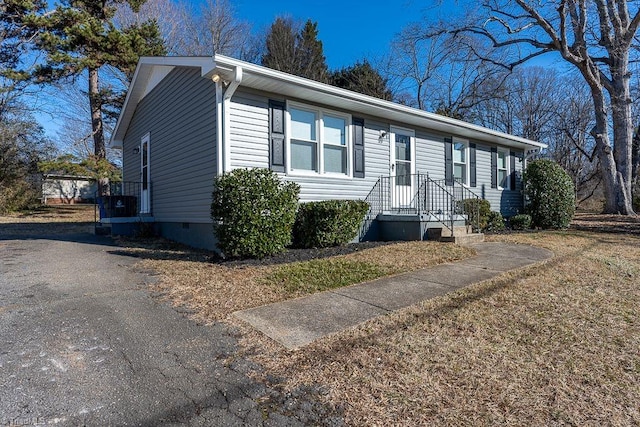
<point>145,174</point>
<point>402,167</point>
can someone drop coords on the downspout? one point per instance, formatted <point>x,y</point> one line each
<point>219,129</point>
<point>226,112</point>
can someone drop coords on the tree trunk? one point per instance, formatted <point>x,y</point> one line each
<point>621,116</point>
<point>99,147</point>
<point>616,199</point>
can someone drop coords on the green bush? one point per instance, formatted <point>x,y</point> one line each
<point>253,212</point>
<point>550,194</point>
<point>495,222</point>
<point>18,196</point>
<point>520,222</point>
<point>469,207</point>
<point>328,223</point>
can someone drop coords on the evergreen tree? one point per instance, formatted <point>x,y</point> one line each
<point>309,54</point>
<point>363,78</point>
<point>79,38</point>
<point>281,46</point>
<point>295,52</point>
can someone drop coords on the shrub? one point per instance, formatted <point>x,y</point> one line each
<point>469,207</point>
<point>495,222</point>
<point>253,212</point>
<point>520,222</point>
<point>550,194</point>
<point>19,195</point>
<point>328,223</point>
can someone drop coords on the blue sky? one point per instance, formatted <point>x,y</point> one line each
<point>349,30</point>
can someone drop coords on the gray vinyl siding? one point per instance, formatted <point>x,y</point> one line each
<point>179,114</point>
<point>507,202</point>
<point>430,154</point>
<point>249,126</point>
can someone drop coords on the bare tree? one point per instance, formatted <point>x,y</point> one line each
<point>212,27</point>
<point>442,71</point>
<point>595,37</point>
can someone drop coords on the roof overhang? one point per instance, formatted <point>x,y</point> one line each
<point>151,70</point>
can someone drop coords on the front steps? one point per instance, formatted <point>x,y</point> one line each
<point>461,235</point>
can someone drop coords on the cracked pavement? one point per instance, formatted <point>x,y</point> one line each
<point>83,343</point>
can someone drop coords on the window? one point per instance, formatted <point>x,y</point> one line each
<point>460,161</point>
<point>319,141</point>
<point>304,141</point>
<point>503,170</point>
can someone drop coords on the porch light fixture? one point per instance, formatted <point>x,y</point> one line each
<point>383,135</point>
<point>136,150</point>
<point>216,78</point>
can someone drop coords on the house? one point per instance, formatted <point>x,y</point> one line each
<point>187,119</point>
<point>67,189</point>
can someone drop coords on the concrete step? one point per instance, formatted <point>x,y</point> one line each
<point>458,230</point>
<point>467,239</point>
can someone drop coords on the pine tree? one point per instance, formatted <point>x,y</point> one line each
<point>295,52</point>
<point>79,38</point>
<point>310,55</point>
<point>363,78</point>
<point>281,46</point>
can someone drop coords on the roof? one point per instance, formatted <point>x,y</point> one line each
<point>151,70</point>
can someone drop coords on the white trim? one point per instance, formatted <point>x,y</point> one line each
<point>400,193</point>
<point>219,129</point>
<point>507,168</point>
<point>466,159</point>
<point>148,74</point>
<point>319,113</point>
<point>145,195</point>
<point>287,85</point>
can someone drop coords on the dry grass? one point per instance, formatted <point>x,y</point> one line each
<point>54,219</point>
<point>215,290</point>
<point>554,344</point>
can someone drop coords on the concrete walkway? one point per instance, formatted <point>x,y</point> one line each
<point>298,322</point>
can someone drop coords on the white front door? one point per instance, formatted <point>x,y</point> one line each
<point>402,155</point>
<point>145,175</point>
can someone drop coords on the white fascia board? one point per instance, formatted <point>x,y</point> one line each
<point>149,73</point>
<point>291,85</point>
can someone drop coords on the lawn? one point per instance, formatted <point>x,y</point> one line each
<point>557,343</point>
<point>552,344</point>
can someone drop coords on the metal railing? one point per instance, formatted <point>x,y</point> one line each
<point>123,199</point>
<point>419,194</point>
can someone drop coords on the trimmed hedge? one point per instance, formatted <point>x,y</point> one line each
<point>520,222</point>
<point>328,223</point>
<point>253,212</point>
<point>550,193</point>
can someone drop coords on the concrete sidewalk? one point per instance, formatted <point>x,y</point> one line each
<point>298,322</point>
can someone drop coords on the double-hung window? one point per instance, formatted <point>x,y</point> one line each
<point>460,161</point>
<point>304,139</point>
<point>319,141</point>
<point>503,169</point>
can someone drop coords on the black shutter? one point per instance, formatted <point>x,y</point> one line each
<point>512,156</point>
<point>494,167</point>
<point>276,136</point>
<point>448,161</point>
<point>358,148</point>
<point>472,165</point>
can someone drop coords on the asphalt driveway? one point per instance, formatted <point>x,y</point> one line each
<point>83,342</point>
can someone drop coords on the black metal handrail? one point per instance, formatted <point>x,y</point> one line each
<point>419,194</point>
